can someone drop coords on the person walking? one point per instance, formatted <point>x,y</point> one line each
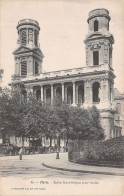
<point>20,153</point>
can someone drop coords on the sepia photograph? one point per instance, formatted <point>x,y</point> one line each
<point>61,97</point>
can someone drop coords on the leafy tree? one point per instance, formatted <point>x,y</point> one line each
<point>33,118</point>
<point>78,123</point>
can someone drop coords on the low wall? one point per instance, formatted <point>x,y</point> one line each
<point>111,150</point>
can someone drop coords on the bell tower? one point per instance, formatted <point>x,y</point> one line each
<point>98,45</point>
<point>99,41</point>
<point>28,56</point>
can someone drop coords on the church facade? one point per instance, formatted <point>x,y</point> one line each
<point>92,84</point>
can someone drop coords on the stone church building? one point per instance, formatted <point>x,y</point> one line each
<point>90,84</point>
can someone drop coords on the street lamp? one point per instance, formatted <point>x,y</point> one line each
<point>57,153</point>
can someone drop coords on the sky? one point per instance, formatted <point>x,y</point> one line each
<point>63,29</point>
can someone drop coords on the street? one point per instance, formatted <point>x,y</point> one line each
<point>30,172</point>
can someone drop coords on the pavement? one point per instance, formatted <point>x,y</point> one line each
<point>64,165</point>
<point>58,177</point>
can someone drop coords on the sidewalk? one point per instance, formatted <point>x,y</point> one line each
<point>64,165</point>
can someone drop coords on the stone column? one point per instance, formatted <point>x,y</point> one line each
<point>112,92</point>
<point>74,93</point>
<point>33,36</point>
<point>107,92</point>
<point>91,92</point>
<point>63,94</point>
<point>102,91</point>
<point>41,93</point>
<point>52,93</point>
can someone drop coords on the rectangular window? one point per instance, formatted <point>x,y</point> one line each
<point>110,57</point>
<point>95,58</point>
<point>36,68</point>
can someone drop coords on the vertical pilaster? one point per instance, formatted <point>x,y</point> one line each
<point>112,92</point>
<point>33,37</point>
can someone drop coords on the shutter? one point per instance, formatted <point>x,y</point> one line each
<point>23,68</point>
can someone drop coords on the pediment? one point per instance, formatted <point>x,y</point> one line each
<point>21,49</point>
<point>38,51</point>
<point>24,49</point>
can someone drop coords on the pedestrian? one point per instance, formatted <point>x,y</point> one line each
<point>20,153</point>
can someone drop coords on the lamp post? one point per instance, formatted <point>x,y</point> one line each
<point>57,153</point>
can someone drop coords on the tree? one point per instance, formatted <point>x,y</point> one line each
<point>10,108</point>
<point>78,123</point>
<point>33,118</point>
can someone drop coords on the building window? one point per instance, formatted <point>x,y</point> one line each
<point>58,95</point>
<point>95,25</point>
<point>118,108</point>
<point>30,35</point>
<point>36,68</point>
<point>69,95</point>
<point>59,92</point>
<point>81,94</point>
<point>23,68</point>
<point>36,38</point>
<point>96,87</point>
<point>95,58</point>
<point>48,95</point>
<point>24,38</point>
<point>110,57</point>
<point>38,94</point>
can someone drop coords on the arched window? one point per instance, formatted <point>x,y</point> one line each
<point>48,95</point>
<point>96,25</point>
<point>81,94</point>
<point>36,68</point>
<point>95,58</point>
<point>38,94</point>
<point>69,95</point>
<point>24,37</point>
<point>59,92</point>
<point>30,35</point>
<point>118,108</point>
<point>24,94</point>
<point>24,68</point>
<point>96,87</point>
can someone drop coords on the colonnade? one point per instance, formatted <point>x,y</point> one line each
<point>116,132</point>
<point>75,92</point>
